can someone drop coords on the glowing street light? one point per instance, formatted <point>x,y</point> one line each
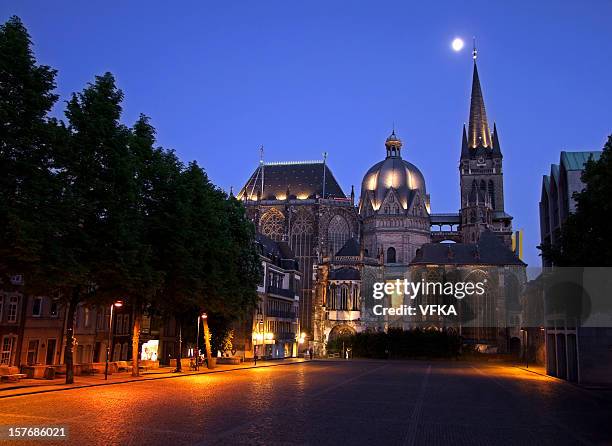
<point>197,354</point>
<point>117,304</point>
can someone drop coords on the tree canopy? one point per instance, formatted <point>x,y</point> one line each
<point>94,210</point>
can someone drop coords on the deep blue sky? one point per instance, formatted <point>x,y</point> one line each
<point>221,78</point>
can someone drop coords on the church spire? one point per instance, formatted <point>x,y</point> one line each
<point>478,130</point>
<point>465,151</point>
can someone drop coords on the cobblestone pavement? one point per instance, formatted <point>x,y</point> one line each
<point>327,402</point>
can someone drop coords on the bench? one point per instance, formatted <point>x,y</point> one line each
<point>10,374</point>
<point>123,366</point>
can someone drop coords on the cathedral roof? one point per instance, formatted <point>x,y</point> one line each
<point>302,180</point>
<point>392,173</point>
<point>489,250</point>
<point>350,249</point>
<point>344,274</point>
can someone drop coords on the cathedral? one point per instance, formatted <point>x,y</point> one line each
<point>345,246</point>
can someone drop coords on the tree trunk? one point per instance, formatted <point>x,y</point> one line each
<point>68,353</point>
<point>179,353</point>
<point>207,343</point>
<point>136,339</point>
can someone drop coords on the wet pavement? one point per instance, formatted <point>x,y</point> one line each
<point>327,402</point>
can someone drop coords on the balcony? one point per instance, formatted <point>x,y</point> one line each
<point>282,314</point>
<point>281,292</point>
<point>285,336</point>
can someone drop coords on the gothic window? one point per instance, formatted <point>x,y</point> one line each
<point>483,188</point>
<point>272,224</point>
<point>391,255</point>
<point>492,193</point>
<point>343,298</point>
<point>337,233</point>
<point>480,310</point>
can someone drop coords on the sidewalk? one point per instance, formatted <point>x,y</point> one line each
<point>32,386</point>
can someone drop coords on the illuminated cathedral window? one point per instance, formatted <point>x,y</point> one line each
<point>337,233</point>
<point>273,224</point>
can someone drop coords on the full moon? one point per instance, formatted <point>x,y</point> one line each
<point>457,44</point>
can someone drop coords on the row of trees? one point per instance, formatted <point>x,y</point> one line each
<point>93,211</point>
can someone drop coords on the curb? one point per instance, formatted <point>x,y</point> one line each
<point>83,386</point>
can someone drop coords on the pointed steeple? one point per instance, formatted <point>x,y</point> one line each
<point>478,130</point>
<point>465,152</point>
<point>496,147</point>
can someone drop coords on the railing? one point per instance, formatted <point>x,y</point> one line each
<point>281,291</point>
<point>283,314</point>
<point>285,336</point>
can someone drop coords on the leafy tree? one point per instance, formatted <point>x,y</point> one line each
<point>91,169</point>
<point>585,236</point>
<point>26,138</point>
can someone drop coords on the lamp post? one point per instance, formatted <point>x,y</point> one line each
<point>301,340</point>
<point>259,334</point>
<point>197,356</point>
<point>117,304</point>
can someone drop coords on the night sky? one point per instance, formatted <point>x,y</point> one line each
<point>221,78</point>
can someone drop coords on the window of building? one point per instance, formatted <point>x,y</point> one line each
<point>8,343</point>
<point>11,312</point>
<point>32,357</point>
<point>86,317</point>
<point>126,324</point>
<point>337,233</point>
<point>37,307</point>
<point>53,309</point>
<point>391,255</point>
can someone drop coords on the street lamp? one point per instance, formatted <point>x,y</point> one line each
<point>197,358</point>
<point>259,335</point>
<point>117,304</point>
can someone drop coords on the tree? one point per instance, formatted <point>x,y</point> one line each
<point>585,237</point>
<point>90,169</point>
<point>27,135</point>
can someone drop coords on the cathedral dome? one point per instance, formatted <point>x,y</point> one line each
<point>393,173</point>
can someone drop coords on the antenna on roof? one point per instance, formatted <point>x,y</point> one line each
<point>324,164</point>
<point>261,163</point>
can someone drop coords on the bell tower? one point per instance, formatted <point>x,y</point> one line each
<point>481,175</point>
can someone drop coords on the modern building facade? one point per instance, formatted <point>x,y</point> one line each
<point>575,351</point>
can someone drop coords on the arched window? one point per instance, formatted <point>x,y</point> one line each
<point>272,224</point>
<point>391,255</point>
<point>343,298</point>
<point>337,233</point>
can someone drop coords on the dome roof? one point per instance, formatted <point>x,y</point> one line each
<point>392,173</point>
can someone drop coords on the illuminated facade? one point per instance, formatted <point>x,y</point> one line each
<point>344,247</point>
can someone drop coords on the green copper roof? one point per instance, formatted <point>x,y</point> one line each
<point>576,160</point>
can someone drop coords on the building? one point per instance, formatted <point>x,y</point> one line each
<point>302,204</point>
<point>273,330</point>
<point>344,249</point>
<point>558,188</point>
<point>577,347</point>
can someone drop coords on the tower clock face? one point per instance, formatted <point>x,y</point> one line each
<point>481,161</point>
